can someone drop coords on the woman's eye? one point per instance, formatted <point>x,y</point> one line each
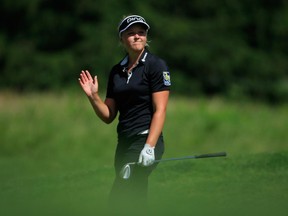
<point>141,33</point>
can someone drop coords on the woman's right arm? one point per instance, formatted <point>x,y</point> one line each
<point>107,110</point>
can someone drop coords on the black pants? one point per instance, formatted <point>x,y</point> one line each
<point>129,196</point>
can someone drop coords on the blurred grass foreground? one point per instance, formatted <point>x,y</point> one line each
<point>56,157</point>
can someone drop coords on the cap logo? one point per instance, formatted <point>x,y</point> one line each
<point>135,18</point>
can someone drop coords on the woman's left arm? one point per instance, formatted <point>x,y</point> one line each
<point>160,101</point>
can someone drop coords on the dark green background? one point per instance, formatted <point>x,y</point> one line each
<point>237,49</point>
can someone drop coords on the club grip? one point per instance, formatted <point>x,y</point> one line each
<point>218,154</point>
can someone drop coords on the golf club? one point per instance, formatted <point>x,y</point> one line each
<point>125,172</point>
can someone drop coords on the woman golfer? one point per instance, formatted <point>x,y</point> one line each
<point>138,88</point>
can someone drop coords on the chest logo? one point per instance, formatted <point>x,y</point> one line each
<point>166,78</point>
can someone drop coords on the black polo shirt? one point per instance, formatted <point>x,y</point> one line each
<point>133,94</point>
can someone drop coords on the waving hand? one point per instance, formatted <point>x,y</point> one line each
<point>88,84</point>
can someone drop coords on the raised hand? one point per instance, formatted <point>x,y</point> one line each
<point>88,84</point>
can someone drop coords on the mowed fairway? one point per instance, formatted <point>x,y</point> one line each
<point>56,158</point>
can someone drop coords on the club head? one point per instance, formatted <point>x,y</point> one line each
<point>125,171</point>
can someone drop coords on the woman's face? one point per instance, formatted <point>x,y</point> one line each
<point>134,38</point>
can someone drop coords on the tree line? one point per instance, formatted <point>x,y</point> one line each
<point>232,48</point>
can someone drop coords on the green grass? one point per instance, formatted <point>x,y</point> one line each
<point>56,158</point>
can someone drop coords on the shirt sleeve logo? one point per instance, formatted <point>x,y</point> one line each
<point>166,78</point>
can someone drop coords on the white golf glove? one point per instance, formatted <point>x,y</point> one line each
<point>147,156</point>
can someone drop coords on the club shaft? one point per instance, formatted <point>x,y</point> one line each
<point>218,154</point>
